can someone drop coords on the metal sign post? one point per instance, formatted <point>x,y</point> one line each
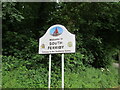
<point>49,77</point>
<point>49,81</point>
<point>62,71</point>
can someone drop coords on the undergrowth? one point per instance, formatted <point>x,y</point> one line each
<point>87,77</point>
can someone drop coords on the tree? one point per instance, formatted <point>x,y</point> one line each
<point>96,26</point>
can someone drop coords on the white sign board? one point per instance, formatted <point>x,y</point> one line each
<point>57,39</point>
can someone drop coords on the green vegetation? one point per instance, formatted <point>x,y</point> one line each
<point>22,77</point>
<point>97,30</point>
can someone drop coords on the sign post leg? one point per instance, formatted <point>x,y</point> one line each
<point>49,72</point>
<point>62,71</point>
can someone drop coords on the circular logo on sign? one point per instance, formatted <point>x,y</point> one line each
<point>56,31</point>
<point>69,44</point>
<point>43,46</point>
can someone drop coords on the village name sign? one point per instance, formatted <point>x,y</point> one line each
<point>57,39</point>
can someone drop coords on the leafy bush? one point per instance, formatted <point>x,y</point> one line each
<point>92,78</point>
<point>17,74</point>
<point>22,77</point>
<point>74,62</point>
<point>10,63</point>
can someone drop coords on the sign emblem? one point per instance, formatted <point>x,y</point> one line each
<point>56,31</point>
<point>69,44</point>
<point>43,46</point>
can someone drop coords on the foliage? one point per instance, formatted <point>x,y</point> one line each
<point>9,11</point>
<point>92,78</point>
<point>91,29</point>
<point>97,30</point>
<point>16,75</point>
